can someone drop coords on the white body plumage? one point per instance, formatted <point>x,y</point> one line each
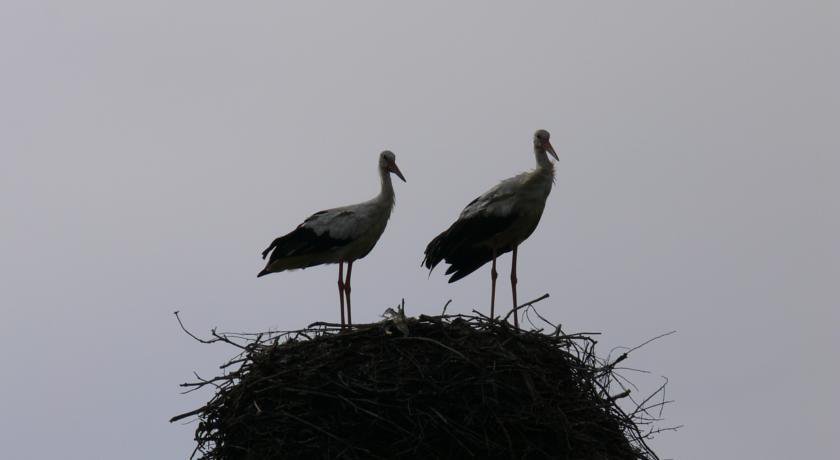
<point>337,235</point>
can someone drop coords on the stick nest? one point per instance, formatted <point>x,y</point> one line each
<point>449,386</point>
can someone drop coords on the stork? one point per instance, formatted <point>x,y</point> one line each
<point>495,223</point>
<point>337,235</point>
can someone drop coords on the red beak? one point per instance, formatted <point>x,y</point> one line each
<point>392,166</point>
<point>550,149</point>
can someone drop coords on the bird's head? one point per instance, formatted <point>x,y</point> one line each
<point>541,142</point>
<point>388,163</point>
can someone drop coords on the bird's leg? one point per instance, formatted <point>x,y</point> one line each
<point>341,290</point>
<point>347,292</point>
<point>513,286</point>
<point>493,276</point>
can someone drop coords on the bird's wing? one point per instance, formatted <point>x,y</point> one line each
<point>485,226</point>
<point>499,201</point>
<point>462,244</point>
<point>346,223</point>
<point>321,232</point>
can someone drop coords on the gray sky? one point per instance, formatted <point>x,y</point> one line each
<point>151,150</point>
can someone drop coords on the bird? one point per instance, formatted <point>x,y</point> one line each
<point>496,222</point>
<point>338,235</point>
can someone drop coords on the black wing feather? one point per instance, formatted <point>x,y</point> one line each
<point>461,244</point>
<point>300,241</point>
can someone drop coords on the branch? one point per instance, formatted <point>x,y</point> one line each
<point>543,297</point>
<point>178,317</point>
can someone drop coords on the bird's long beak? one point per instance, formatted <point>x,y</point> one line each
<point>550,149</point>
<point>392,167</point>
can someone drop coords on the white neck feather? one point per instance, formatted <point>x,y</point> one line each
<point>543,163</point>
<point>386,195</point>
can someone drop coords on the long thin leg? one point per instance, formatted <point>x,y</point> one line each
<point>513,287</point>
<point>341,290</point>
<point>347,290</point>
<point>493,275</point>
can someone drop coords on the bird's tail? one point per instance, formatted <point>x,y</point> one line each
<point>467,262</point>
<point>271,246</point>
<point>435,251</point>
<point>277,246</point>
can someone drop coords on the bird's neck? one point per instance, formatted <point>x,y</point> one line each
<point>543,163</point>
<point>386,195</point>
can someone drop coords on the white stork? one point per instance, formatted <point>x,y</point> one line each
<point>337,235</point>
<point>496,222</point>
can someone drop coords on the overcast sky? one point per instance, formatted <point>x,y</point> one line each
<point>149,151</point>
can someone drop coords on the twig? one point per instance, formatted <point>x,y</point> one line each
<point>542,297</point>
<point>178,317</point>
<point>187,414</point>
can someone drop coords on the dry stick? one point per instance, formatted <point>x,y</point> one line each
<point>624,355</point>
<point>639,407</point>
<point>323,323</point>
<point>542,297</point>
<point>659,405</point>
<point>445,306</point>
<point>623,394</point>
<point>660,430</point>
<point>178,317</point>
<point>223,338</point>
<point>482,315</point>
<point>187,414</point>
<point>336,325</point>
<point>556,327</point>
<point>216,336</point>
<point>663,396</point>
<point>651,340</point>
<point>202,383</point>
<point>630,350</point>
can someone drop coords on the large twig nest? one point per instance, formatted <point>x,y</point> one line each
<point>449,386</point>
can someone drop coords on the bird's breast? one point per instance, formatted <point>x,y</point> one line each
<point>369,232</point>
